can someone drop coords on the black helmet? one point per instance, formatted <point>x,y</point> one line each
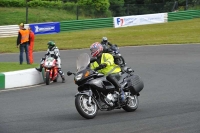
<point>51,44</point>
<point>105,39</point>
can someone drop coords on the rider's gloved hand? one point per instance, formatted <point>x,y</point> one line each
<point>101,66</point>
<point>55,57</point>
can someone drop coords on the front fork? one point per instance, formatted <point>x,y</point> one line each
<point>55,73</point>
<point>88,93</point>
<point>90,97</point>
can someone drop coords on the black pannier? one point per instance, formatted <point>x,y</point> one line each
<point>135,84</point>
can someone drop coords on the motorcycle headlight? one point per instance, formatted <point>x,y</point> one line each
<point>78,77</point>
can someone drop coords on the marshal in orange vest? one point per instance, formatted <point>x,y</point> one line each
<point>24,35</point>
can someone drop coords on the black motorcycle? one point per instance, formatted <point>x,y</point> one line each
<point>95,92</point>
<point>114,50</point>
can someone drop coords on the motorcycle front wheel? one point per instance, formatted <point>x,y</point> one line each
<point>131,104</point>
<point>47,77</point>
<point>84,109</point>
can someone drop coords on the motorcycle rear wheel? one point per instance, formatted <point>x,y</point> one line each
<point>131,104</point>
<point>120,61</point>
<point>47,77</point>
<point>84,109</point>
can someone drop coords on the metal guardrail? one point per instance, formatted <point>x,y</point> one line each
<point>86,24</point>
<point>183,15</point>
<point>10,30</point>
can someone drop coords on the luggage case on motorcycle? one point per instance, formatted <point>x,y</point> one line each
<point>135,84</point>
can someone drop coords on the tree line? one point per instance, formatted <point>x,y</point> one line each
<point>103,8</point>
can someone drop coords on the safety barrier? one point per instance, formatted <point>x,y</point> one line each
<point>183,15</point>
<point>2,81</point>
<point>56,27</point>
<point>10,30</point>
<point>86,24</point>
<point>20,78</point>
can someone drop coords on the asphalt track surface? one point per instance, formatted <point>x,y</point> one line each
<point>169,103</point>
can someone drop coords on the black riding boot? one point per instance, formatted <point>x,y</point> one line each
<point>40,68</point>
<point>62,75</point>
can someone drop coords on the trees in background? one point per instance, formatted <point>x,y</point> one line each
<point>103,8</point>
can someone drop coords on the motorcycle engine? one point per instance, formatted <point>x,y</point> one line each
<point>110,98</point>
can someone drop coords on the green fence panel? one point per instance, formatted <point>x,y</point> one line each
<point>183,15</point>
<point>86,24</point>
<point>2,81</point>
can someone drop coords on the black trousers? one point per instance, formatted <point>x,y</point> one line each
<point>114,78</point>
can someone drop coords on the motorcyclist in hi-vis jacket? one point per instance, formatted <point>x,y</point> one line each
<point>105,65</point>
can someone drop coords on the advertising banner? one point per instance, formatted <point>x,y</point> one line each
<point>45,28</point>
<point>138,20</point>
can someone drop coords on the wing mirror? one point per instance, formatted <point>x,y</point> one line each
<point>69,73</point>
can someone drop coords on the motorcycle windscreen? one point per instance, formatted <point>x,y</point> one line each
<point>82,62</point>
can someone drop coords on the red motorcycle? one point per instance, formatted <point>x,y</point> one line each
<point>50,70</point>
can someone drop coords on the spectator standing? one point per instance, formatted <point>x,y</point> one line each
<point>23,43</point>
<point>31,41</point>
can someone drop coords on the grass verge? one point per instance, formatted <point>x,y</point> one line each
<point>178,32</point>
<point>14,15</point>
<point>14,66</point>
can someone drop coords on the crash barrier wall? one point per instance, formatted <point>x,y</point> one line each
<point>86,24</point>
<point>183,15</point>
<point>20,78</point>
<point>2,81</point>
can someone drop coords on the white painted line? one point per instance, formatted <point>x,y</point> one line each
<point>20,88</point>
<point>161,45</point>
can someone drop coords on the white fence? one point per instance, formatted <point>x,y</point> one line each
<point>10,30</point>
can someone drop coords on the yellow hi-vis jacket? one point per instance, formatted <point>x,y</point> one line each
<point>111,66</point>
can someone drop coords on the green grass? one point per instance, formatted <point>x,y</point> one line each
<point>13,15</point>
<point>178,32</point>
<point>13,66</point>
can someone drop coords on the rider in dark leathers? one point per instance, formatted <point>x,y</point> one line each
<point>106,45</point>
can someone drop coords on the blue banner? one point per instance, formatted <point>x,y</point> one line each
<point>45,28</point>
